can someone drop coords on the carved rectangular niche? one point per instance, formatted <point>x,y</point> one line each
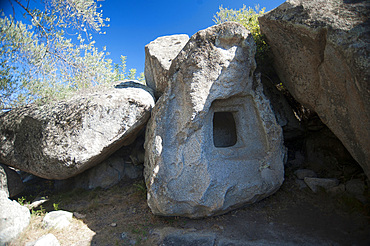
<point>224,129</point>
<point>237,129</point>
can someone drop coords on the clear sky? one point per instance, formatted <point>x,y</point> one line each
<point>135,23</point>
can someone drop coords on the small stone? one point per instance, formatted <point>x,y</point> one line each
<point>337,189</point>
<point>132,242</point>
<point>124,235</point>
<point>314,183</point>
<point>303,173</point>
<point>78,215</point>
<point>355,187</point>
<point>113,225</point>
<point>37,202</point>
<point>47,240</point>
<point>57,219</point>
<point>301,184</point>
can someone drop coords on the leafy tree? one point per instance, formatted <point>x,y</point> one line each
<point>54,54</point>
<point>248,17</point>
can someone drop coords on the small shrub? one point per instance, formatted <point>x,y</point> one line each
<point>39,212</point>
<point>22,200</point>
<point>248,17</point>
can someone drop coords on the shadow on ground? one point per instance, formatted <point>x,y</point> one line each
<point>292,216</point>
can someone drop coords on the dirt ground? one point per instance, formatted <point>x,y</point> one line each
<point>121,216</point>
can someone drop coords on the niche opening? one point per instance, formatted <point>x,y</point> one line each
<point>224,129</point>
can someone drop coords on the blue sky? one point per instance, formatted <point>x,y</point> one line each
<point>135,23</point>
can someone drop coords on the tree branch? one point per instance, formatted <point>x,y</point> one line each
<point>33,17</point>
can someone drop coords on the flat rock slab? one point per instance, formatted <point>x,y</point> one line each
<point>169,236</point>
<point>212,143</point>
<point>62,139</point>
<point>303,173</point>
<point>315,183</point>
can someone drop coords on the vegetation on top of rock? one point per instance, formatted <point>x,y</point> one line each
<point>51,53</point>
<point>248,17</point>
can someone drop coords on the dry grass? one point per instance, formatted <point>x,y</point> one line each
<point>78,233</point>
<point>123,205</point>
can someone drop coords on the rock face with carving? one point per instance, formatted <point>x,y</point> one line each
<point>212,143</point>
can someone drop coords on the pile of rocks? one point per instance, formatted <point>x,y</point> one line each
<point>213,131</point>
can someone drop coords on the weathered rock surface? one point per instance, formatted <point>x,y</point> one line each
<point>10,181</point>
<point>212,143</point>
<point>321,53</point>
<point>158,58</point>
<point>14,218</point>
<point>60,140</point>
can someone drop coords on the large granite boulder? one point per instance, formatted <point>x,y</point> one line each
<point>212,143</point>
<point>158,58</point>
<point>14,218</point>
<point>321,53</point>
<point>62,139</point>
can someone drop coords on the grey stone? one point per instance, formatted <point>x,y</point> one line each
<point>57,219</point>
<point>355,187</point>
<point>327,184</point>
<point>47,240</point>
<point>78,215</point>
<point>111,171</point>
<point>14,218</point>
<point>10,181</point>
<point>303,173</point>
<point>212,143</point>
<point>169,236</point>
<point>188,239</point>
<point>62,139</point>
<point>321,53</point>
<point>158,58</point>
<point>301,184</point>
<point>107,174</point>
<point>337,190</point>
<point>37,202</point>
